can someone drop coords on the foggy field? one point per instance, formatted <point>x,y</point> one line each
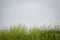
<point>32,13</point>
<point>20,32</point>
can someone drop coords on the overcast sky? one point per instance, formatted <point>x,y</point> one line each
<point>29,12</point>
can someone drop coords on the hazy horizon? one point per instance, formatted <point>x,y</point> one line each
<point>29,12</point>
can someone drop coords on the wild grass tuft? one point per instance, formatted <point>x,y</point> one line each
<point>21,33</point>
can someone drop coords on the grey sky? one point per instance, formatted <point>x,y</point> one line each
<point>29,12</point>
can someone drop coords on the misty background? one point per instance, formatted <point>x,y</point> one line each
<point>29,12</point>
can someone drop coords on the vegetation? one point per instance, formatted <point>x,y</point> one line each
<point>22,33</point>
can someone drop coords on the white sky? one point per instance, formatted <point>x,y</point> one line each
<point>29,12</point>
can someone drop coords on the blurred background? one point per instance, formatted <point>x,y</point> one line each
<point>29,12</point>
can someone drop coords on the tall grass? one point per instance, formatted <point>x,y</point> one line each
<point>21,33</point>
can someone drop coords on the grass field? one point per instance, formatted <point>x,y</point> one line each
<point>20,32</point>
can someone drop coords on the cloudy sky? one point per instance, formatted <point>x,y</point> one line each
<point>29,12</point>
